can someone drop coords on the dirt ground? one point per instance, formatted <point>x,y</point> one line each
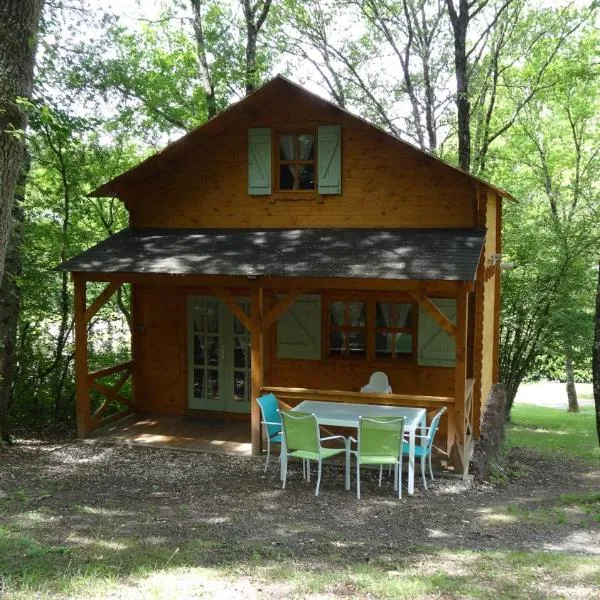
<point>111,494</point>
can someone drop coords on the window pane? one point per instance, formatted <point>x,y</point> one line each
<point>307,146</point>
<point>357,342</point>
<point>212,382</point>
<point>404,315</point>
<point>357,314</point>
<point>286,147</point>
<point>212,350</point>
<point>198,350</point>
<point>239,353</point>
<point>198,383</point>
<point>199,314</point>
<point>336,342</point>
<point>382,315</point>
<point>336,313</point>
<point>307,177</point>
<point>403,343</point>
<point>287,177</point>
<point>383,344</point>
<point>239,386</point>
<point>212,315</point>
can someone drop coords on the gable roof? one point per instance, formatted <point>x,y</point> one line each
<point>416,254</point>
<point>220,122</point>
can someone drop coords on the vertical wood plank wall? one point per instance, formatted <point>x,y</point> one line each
<point>385,183</point>
<point>160,349</point>
<point>489,332</point>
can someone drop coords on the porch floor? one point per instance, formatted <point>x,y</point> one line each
<point>181,433</point>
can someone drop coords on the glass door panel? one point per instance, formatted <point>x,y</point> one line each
<point>240,351</point>
<point>205,355</point>
<point>218,357</point>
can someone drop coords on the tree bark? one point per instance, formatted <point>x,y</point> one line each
<point>596,357</point>
<point>10,300</point>
<point>19,22</point>
<point>255,15</point>
<point>203,67</point>
<point>460,23</point>
<point>571,391</point>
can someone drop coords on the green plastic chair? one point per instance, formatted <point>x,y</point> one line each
<point>423,450</point>
<point>380,443</point>
<point>301,439</point>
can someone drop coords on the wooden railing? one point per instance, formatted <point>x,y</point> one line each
<point>111,393</point>
<point>293,396</point>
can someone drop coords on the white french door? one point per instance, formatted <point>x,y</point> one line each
<point>218,356</point>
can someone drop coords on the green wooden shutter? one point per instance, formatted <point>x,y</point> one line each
<point>299,329</point>
<point>330,159</point>
<point>436,347</point>
<point>259,162</point>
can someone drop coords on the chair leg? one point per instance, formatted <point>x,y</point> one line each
<point>318,479</point>
<point>357,479</point>
<point>423,472</point>
<point>400,477</point>
<point>347,467</point>
<point>284,471</point>
<point>380,474</point>
<point>268,453</point>
<point>430,469</point>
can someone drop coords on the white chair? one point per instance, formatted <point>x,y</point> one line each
<point>378,384</point>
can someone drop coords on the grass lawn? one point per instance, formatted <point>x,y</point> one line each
<point>521,538</point>
<point>554,430</point>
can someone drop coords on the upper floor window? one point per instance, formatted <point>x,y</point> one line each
<point>301,160</point>
<point>296,162</point>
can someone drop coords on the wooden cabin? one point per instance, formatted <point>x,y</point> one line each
<point>287,245</point>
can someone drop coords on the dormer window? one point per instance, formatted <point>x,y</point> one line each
<point>296,164</point>
<point>292,161</point>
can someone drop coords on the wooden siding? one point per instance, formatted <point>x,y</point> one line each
<point>384,183</point>
<point>160,350</point>
<point>489,332</point>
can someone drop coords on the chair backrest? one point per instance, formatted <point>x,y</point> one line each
<point>380,436</point>
<point>270,413</point>
<point>433,427</point>
<point>378,382</point>
<point>301,431</point>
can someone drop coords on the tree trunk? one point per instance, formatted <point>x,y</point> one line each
<point>203,67</point>
<point>596,356</point>
<point>10,299</point>
<point>255,16</point>
<point>571,391</point>
<point>19,21</point>
<point>460,24</point>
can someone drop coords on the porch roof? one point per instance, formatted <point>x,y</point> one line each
<point>421,254</point>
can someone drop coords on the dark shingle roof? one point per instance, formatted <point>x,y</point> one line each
<point>434,254</point>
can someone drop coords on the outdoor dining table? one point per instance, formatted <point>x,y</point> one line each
<point>342,414</point>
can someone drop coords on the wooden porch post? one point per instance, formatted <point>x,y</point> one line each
<point>460,452</point>
<point>257,367</point>
<point>82,388</point>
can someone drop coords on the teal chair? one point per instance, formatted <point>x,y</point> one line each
<point>380,443</point>
<point>269,410</point>
<point>301,439</point>
<point>423,450</point>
